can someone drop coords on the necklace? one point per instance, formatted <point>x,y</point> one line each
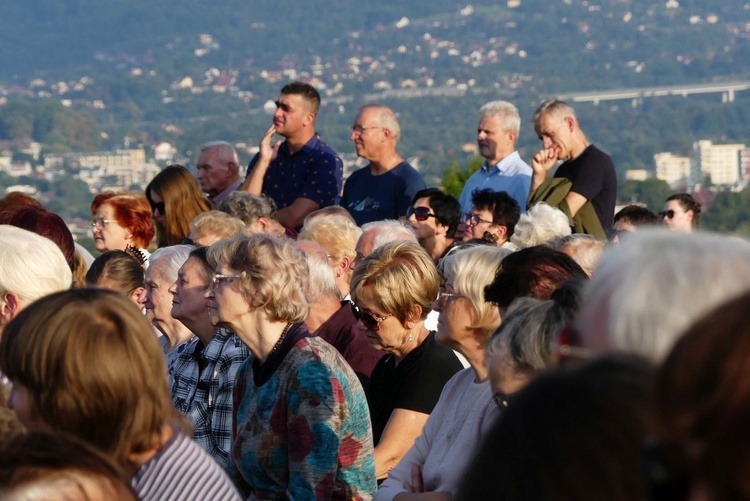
<point>281,339</point>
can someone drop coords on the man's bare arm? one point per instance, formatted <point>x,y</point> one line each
<point>294,215</point>
<point>575,202</point>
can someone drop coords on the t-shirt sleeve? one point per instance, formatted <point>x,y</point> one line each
<point>324,180</point>
<point>591,176</point>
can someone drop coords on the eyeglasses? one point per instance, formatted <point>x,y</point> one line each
<point>443,295</point>
<point>568,346</point>
<point>157,206</point>
<point>473,219</point>
<point>420,213</point>
<point>359,129</point>
<point>368,319</point>
<point>101,222</point>
<point>218,278</point>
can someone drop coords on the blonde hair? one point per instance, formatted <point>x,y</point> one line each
<point>216,223</point>
<point>470,270</point>
<point>401,275</point>
<point>93,368</point>
<point>336,234</point>
<point>274,273</point>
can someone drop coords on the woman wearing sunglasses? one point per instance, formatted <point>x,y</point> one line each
<point>393,289</point>
<point>466,408</point>
<point>175,199</point>
<point>682,213</point>
<point>300,429</point>
<point>435,217</point>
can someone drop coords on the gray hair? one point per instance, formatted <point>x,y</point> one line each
<point>554,108</point>
<point>226,150</point>
<point>31,265</point>
<point>386,119</point>
<point>649,289</point>
<point>586,250</point>
<point>505,111</point>
<point>527,333</point>
<point>389,230</point>
<point>322,281</point>
<point>542,224</point>
<point>168,260</point>
<point>247,207</point>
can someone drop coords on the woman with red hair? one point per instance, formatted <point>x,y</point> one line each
<point>121,220</point>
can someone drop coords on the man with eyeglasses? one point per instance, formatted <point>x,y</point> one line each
<point>503,168</point>
<point>385,187</point>
<point>590,171</point>
<point>302,174</point>
<point>492,218</point>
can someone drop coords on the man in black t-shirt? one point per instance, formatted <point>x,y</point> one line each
<point>589,169</point>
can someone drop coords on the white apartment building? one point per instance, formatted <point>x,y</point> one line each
<point>720,161</point>
<point>673,169</point>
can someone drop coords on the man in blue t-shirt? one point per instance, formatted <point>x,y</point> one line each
<point>384,189</point>
<point>302,174</point>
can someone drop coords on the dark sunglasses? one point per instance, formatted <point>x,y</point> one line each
<point>157,207</point>
<point>368,319</point>
<point>669,214</point>
<point>421,213</point>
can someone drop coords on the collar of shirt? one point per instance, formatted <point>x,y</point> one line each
<point>504,164</point>
<point>221,196</point>
<point>309,146</point>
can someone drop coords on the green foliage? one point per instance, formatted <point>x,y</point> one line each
<point>69,197</point>
<point>455,176</point>
<point>729,213</point>
<point>51,123</point>
<point>651,192</point>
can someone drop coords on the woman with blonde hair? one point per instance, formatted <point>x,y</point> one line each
<point>301,428</point>
<point>84,362</point>
<point>175,198</point>
<point>393,290</point>
<point>466,408</point>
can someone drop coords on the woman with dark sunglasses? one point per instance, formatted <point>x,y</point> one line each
<point>392,290</point>
<point>434,217</point>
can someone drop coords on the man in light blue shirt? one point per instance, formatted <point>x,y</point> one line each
<point>503,168</point>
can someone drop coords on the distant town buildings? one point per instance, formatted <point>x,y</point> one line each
<point>725,164</point>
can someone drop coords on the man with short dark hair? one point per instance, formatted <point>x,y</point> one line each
<point>384,188</point>
<point>302,174</point>
<point>218,170</point>
<point>493,218</point>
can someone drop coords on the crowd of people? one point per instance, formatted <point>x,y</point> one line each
<point>291,336</point>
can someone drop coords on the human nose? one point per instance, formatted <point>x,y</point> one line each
<point>546,142</point>
<point>173,288</point>
<point>209,294</point>
<point>436,304</point>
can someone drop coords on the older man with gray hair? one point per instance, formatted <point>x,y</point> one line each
<point>379,233</point>
<point>218,169</point>
<point>385,187</point>
<point>503,168</point>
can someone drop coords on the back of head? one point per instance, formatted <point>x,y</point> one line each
<point>586,250</point>
<point>322,280</point>
<point>31,266</point>
<point>586,424</point>
<point>247,207</point>
<point>637,216</point>
<point>14,199</point>
<point>42,466</point>
<point>116,270</point>
<point>337,234</point>
<point>45,223</point>
<point>504,208</point>
<point>216,224</point>
<point>534,272</point>
<point>93,369</point>
<point>330,210</point>
<point>505,111</point>
<point>542,224</point>
<point>306,91</point>
<point>387,231</point>
<point>650,288</point>
<point>703,398</point>
<point>401,275</point>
